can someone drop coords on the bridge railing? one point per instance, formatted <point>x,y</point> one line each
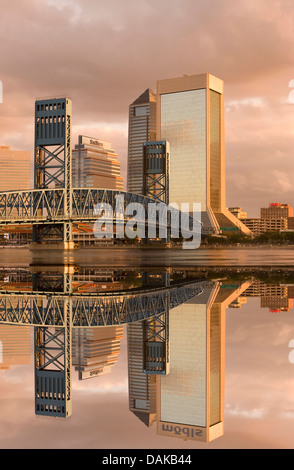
<point>49,204</point>
<point>32,205</point>
<point>40,309</point>
<point>56,205</point>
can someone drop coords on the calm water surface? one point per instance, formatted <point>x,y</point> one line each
<point>231,358</point>
<point>265,256</point>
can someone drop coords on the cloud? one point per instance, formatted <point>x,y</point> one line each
<point>103,55</point>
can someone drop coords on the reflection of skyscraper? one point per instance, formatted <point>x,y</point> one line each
<point>192,395</point>
<point>142,386</point>
<point>190,116</point>
<point>275,297</point>
<point>95,350</point>
<point>15,344</point>
<point>142,128</point>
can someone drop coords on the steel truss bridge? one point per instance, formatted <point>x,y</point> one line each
<point>47,206</point>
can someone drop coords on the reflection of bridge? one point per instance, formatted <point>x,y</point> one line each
<point>54,208</point>
<point>54,314</point>
<point>46,309</point>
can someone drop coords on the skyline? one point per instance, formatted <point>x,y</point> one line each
<point>256,69</point>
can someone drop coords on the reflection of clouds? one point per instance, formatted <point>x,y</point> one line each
<point>260,382</point>
<point>289,414</point>
<point>97,386</point>
<point>291,353</point>
<point>252,414</point>
<point>259,399</point>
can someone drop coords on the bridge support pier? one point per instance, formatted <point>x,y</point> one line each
<point>54,235</point>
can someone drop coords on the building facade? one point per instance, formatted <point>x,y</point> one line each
<point>95,350</point>
<point>276,210</point>
<point>258,226</point>
<point>15,169</point>
<point>274,218</point>
<point>95,165</point>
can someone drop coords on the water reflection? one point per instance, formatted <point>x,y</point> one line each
<point>189,401</point>
<point>175,325</point>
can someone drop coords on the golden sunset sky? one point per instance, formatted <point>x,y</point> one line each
<point>103,55</point>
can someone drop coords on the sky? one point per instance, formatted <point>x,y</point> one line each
<point>103,55</point>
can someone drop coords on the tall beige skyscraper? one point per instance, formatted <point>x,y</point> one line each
<point>142,128</point>
<point>190,116</point>
<point>15,169</point>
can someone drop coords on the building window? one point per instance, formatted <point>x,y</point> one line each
<point>141,111</point>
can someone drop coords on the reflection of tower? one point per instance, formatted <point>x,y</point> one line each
<point>142,128</point>
<point>142,386</point>
<point>95,350</point>
<point>14,345</point>
<point>52,355</point>
<point>148,355</point>
<point>191,397</point>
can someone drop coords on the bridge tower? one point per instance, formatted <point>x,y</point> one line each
<point>156,175</point>
<point>156,170</point>
<point>52,164</point>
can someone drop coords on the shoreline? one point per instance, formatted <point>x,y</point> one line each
<point>153,247</point>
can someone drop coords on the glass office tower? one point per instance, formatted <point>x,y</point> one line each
<point>142,128</point>
<point>190,116</point>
